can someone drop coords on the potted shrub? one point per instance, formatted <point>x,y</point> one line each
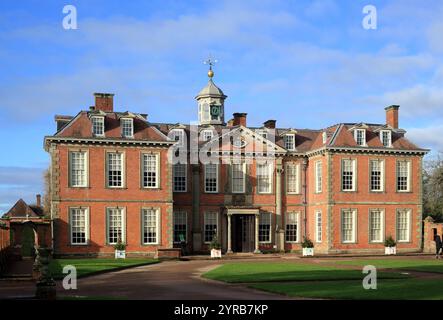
<point>215,248</point>
<point>390,246</point>
<point>120,250</point>
<point>308,247</point>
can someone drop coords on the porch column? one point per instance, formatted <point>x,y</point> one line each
<point>229,249</point>
<point>257,250</point>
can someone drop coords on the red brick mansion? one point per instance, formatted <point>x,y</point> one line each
<point>120,175</point>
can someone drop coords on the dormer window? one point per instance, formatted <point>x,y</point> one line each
<point>324,137</point>
<point>127,126</point>
<point>386,138</point>
<point>289,140</point>
<point>206,135</point>
<point>360,137</point>
<point>177,135</point>
<point>263,133</point>
<point>98,126</point>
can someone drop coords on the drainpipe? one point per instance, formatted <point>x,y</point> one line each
<point>305,167</point>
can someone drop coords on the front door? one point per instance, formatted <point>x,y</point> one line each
<point>243,233</point>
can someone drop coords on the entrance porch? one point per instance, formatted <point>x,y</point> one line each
<point>242,227</point>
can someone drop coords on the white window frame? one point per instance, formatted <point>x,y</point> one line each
<point>123,224</point>
<point>382,175</point>
<point>382,225</point>
<point>243,170</point>
<point>269,170</point>
<point>262,214</point>
<point>123,169</point>
<point>354,175</point>
<point>86,169</point>
<point>180,133</point>
<point>389,137</point>
<point>408,173</point>
<point>206,167</point>
<point>353,213</point>
<point>363,137</point>
<point>184,215</point>
<point>99,124</point>
<point>124,122</point>
<point>291,221</point>
<point>206,224</point>
<point>289,140</point>
<point>185,176</point>
<point>156,211</point>
<point>262,132</point>
<point>206,135</point>
<point>289,180</point>
<point>408,230</point>
<point>318,226</point>
<point>318,176</point>
<point>86,221</point>
<point>156,172</point>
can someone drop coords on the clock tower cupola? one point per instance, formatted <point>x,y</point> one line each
<point>211,101</point>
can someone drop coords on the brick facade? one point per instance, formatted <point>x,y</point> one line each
<point>313,150</point>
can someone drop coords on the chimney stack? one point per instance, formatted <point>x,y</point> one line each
<point>239,119</point>
<point>392,116</point>
<point>39,200</point>
<point>270,124</point>
<point>104,102</point>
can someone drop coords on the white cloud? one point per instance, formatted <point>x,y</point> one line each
<point>428,137</point>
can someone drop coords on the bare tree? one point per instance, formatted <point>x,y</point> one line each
<point>433,187</point>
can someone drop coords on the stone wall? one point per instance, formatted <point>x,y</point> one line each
<point>431,228</point>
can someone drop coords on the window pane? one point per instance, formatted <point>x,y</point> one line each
<point>180,226</point>
<point>150,168</point>
<point>127,128</point>
<point>98,127</point>
<point>115,169</point>
<point>238,178</point>
<point>376,175</point>
<point>211,177</point>
<point>348,175</point>
<point>210,225</point>
<point>375,227</point>
<point>179,177</point>
<point>403,225</point>
<point>292,178</point>
<point>318,225</point>
<point>264,228</point>
<point>150,226</point>
<point>264,177</point>
<point>291,227</point>
<point>318,176</point>
<point>402,176</point>
<point>78,226</point>
<point>115,225</point>
<point>347,226</point>
<point>78,169</point>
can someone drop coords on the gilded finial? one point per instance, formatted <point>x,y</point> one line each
<point>210,62</point>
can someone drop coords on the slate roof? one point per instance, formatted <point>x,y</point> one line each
<point>21,209</point>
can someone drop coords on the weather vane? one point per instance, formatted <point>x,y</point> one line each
<point>210,62</point>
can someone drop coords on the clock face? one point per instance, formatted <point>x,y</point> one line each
<point>215,111</point>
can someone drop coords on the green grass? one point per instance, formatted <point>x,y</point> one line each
<point>91,266</point>
<point>286,271</point>
<point>425,265</point>
<point>405,289</point>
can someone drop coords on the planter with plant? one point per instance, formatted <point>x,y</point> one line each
<point>308,247</point>
<point>390,246</point>
<point>215,248</point>
<point>120,250</point>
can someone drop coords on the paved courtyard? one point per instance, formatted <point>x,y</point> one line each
<point>170,280</point>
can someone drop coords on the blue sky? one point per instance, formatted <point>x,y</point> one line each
<point>305,63</point>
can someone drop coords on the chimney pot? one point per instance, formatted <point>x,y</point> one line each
<point>270,124</point>
<point>240,119</point>
<point>39,200</point>
<point>392,116</point>
<point>104,102</point>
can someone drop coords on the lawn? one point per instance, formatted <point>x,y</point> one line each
<point>91,266</point>
<point>286,271</point>
<point>404,289</point>
<point>425,265</point>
